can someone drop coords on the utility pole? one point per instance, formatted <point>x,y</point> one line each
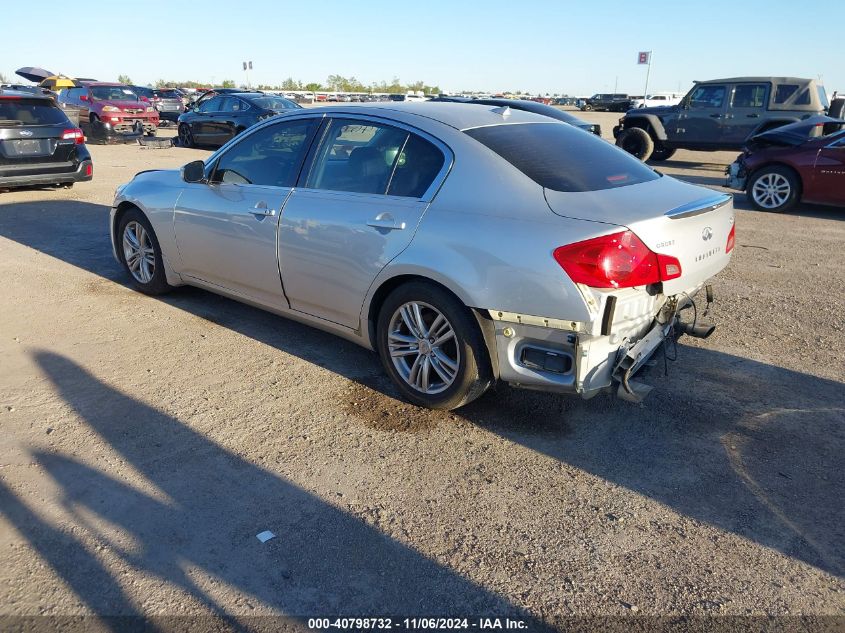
<point>615,84</point>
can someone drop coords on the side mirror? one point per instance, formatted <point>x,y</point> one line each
<point>194,171</point>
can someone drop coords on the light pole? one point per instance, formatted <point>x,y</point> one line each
<point>247,68</point>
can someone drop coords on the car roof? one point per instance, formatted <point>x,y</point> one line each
<point>518,104</point>
<point>103,83</point>
<point>777,80</point>
<point>461,116</point>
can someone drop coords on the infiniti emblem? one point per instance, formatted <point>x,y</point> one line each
<point>707,233</point>
<point>26,132</point>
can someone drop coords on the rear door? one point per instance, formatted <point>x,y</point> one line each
<point>202,125</point>
<point>226,228</point>
<point>746,106</point>
<point>367,188</point>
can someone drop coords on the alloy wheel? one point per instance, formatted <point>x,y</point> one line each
<point>423,347</point>
<point>771,190</point>
<point>138,252</point>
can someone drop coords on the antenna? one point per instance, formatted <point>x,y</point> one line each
<point>505,111</point>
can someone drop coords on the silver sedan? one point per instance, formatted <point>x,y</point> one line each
<point>464,243</point>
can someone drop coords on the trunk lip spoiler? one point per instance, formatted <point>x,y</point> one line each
<point>705,205</point>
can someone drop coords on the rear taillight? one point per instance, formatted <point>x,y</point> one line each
<point>75,134</point>
<point>731,240</point>
<point>89,169</point>
<point>620,260</point>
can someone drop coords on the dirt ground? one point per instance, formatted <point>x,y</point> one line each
<point>144,443</point>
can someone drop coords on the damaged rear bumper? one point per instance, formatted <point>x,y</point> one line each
<point>569,357</point>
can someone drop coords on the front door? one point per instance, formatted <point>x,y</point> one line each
<point>702,116</point>
<point>829,174</point>
<point>226,228</point>
<point>367,188</point>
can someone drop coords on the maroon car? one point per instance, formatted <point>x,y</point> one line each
<point>111,110</point>
<point>800,161</point>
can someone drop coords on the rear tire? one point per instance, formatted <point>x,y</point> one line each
<point>444,375</point>
<point>140,253</point>
<point>636,141</point>
<point>186,138</point>
<point>773,188</point>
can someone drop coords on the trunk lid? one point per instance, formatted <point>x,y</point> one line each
<point>688,222</point>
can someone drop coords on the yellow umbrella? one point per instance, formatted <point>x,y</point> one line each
<point>57,82</point>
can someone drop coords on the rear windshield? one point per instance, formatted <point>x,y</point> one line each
<point>561,157</point>
<point>168,94</point>
<point>17,112</point>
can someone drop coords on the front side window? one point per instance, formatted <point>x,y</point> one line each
<point>749,96</point>
<point>708,97</point>
<point>561,157</point>
<point>357,156</point>
<point>271,156</point>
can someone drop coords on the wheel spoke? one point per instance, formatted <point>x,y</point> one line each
<point>445,360</point>
<point>408,319</point>
<point>418,320</point>
<point>443,338</point>
<point>445,376</point>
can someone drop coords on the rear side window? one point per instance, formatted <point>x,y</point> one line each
<point>563,158</point>
<point>22,112</point>
<point>417,166</point>
<point>749,96</point>
<point>784,91</point>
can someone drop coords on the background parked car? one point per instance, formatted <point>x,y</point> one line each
<point>111,110</point>
<point>528,106</point>
<point>38,144</point>
<point>616,102</point>
<point>167,101</point>
<point>800,161</point>
<point>223,116</point>
<point>720,114</point>
<point>657,99</point>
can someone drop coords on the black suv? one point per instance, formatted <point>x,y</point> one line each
<point>616,102</point>
<point>721,114</point>
<point>38,144</point>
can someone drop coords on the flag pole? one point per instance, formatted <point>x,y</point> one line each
<point>647,73</point>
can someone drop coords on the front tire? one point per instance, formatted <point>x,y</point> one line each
<point>636,141</point>
<point>774,188</point>
<point>140,253</point>
<point>431,347</point>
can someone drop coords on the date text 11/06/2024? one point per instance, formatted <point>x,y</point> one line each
<point>412,624</point>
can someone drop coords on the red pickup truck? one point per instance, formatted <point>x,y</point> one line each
<point>111,110</point>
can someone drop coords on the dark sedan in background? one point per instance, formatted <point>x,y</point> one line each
<point>222,117</point>
<point>800,161</point>
<point>529,106</point>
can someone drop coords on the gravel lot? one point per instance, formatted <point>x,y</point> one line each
<point>145,442</point>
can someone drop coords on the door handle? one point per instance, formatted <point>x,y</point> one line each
<point>753,116</point>
<point>386,221</point>
<point>260,210</point>
<point>715,116</point>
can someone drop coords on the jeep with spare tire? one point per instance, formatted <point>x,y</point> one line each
<point>721,114</point>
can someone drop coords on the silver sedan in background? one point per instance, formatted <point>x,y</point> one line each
<point>464,243</point>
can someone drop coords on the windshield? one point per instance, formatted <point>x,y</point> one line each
<point>113,93</point>
<point>273,103</point>
<point>823,98</point>
<point>561,157</point>
<point>17,112</point>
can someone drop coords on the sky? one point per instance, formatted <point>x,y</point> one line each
<point>575,48</point>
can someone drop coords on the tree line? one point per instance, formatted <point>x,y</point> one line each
<point>334,83</point>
